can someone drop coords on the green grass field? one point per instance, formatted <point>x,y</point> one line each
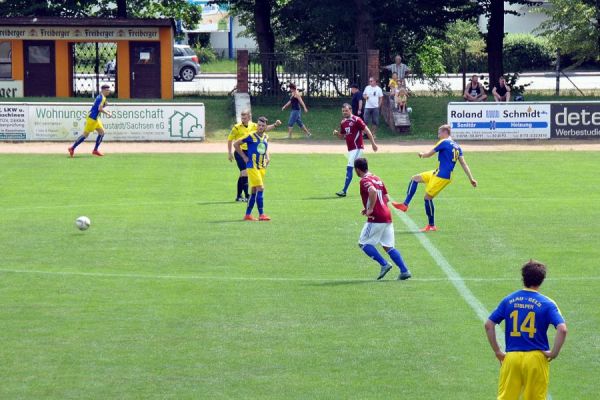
<point>169,295</point>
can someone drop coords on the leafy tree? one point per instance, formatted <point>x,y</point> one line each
<point>572,27</point>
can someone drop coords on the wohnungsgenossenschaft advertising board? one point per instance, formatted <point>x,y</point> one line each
<point>513,120</point>
<point>129,121</point>
<point>575,120</point>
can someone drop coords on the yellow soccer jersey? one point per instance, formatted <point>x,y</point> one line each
<point>239,131</point>
<point>393,84</point>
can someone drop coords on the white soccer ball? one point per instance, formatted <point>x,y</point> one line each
<point>82,223</point>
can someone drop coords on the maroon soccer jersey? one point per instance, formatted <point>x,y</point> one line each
<point>381,212</point>
<point>352,129</point>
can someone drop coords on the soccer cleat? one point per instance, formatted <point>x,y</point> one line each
<point>341,193</point>
<point>384,270</point>
<point>429,228</point>
<point>404,276</point>
<point>249,217</point>
<point>97,153</point>
<point>263,217</point>
<point>71,151</point>
<point>400,206</point>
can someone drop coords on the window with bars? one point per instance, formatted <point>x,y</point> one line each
<point>5,60</point>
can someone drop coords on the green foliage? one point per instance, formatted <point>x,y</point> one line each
<point>524,52</point>
<point>464,36</point>
<point>572,27</point>
<point>205,54</point>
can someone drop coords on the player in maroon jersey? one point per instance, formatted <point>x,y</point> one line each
<point>379,228</point>
<point>351,129</point>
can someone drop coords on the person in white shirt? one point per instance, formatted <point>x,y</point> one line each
<point>373,96</point>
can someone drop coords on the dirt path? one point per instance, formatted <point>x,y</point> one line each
<point>298,147</point>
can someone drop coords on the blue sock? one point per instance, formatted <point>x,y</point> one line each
<point>259,202</point>
<point>78,141</point>
<point>372,252</point>
<point>98,141</point>
<point>430,210</point>
<point>410,192</point>
<point>397,259</point>
<point>349,171</point>
<point>251,204</point>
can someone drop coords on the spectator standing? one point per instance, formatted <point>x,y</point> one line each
<point>295,102</point>
<point>373,96</point>
<point>474,92</point>
<point>357,100</point>
<point>501,92</point>
<point>399,68</point>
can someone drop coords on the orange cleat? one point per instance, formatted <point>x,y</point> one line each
<point>249,217</point>
<point>264,217</point>
<point>71,151</point>
<point>97,153</point>
<point>400,206</point>
<point>429,228</point>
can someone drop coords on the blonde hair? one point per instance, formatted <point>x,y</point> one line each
<point>446,128</point>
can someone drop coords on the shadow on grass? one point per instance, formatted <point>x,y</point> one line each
<point>332,197</point>
<point>347,282</point>
<point>212,203</point>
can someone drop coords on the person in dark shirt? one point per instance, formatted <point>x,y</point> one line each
<point>357,100</point>
<point>501,92</point>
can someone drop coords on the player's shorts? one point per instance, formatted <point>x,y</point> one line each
<point>295,118</point>
<point>256,177</point>
<point>375,233</point>
<point>434,184</point>
<point>527,371</point>
<point>372,116</point>
<point>353,155</point>
<point>92,124</point>
<point>241,164</point>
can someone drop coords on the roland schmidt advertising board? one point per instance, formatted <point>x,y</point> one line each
<point>575,120</point>
<point>517,120</point>
<point>129,121</point>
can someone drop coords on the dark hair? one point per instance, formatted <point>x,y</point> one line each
<point>346,105</point>
<point>534,273</point>
<point>361,164</point>
<point>105,87</point>
<point>263,120</point>
<point>292,86</point>
<point>354,86</point>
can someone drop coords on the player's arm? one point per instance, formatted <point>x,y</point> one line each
<point>427,154</point>
<point>467,170</point>
<point>237,146</point>
<point>267,158</point>
<point>490,331</point>
<point>338,133</point>
<point>102,110</point>
<point>372,200</point>
<point>559,340</point>
<point>273,126</point>
<point>371,138</point>
<point>302,103</point>
<point>230,149</point>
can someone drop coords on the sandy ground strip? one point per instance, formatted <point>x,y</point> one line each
<point>300,147</point>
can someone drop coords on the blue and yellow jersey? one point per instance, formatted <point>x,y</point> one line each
<point>448,153</point>
<point>240,131</point>
<point>257,150</point>
<point>95,110</point>
<point>528,315</point>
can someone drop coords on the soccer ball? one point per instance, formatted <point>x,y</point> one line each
<point>82,223</point>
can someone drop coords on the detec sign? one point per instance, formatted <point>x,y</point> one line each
<point>575,120</point>
<point>77,33</point>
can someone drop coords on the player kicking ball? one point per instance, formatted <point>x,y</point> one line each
<point>93,123</point>
<point>379,228</point>
<point>448,153</point>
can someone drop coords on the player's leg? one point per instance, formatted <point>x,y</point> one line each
<point>90,126</point>
<point>100,132</point>
<point>369,237</point>
<point>433,188</point>
<point>536,375</point>
<point>511,382</point>
<point>260,197</point>
<point>242,182</point>
<point>255,182</point>
<point>388,243</point>
<point>352,156</point>
<point>412,189</point>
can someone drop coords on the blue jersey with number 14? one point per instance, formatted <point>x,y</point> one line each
<point>448,153</point>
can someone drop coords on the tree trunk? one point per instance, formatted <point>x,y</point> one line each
<point>266,46</point>
<point>495,41</point>
<point>364,34</point>
<point>121,9</point>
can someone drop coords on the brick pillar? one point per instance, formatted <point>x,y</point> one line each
<point>373,64</point>
<point>242,71</point>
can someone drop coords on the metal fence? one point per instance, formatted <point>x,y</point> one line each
<point>94,64</point>
<point>323,76</point>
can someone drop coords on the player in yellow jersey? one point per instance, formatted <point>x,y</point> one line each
<point>240,131</point>
<point>93,123</point>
